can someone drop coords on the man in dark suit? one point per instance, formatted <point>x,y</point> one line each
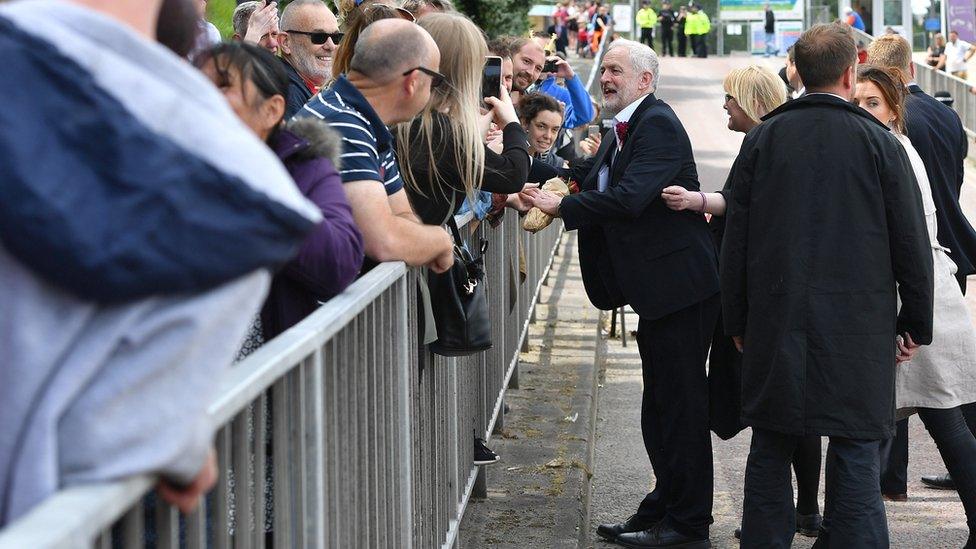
<point>938,135</point>
<point>634,250</point>
<point>824,222</point>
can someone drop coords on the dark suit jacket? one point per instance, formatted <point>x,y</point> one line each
<point>633,249</point>
<point>937,134</point>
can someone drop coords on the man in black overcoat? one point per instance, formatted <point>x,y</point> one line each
<point>634,250</point>
<point>825,219</point>
<point>936,132</point>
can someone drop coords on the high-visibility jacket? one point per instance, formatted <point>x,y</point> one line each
<point>646,18</point>
<point>704,23</point>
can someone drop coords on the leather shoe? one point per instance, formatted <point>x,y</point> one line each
<point>633,524</point>
<point>939,482</point>
<point>898,498</point>
<point>661,536</point>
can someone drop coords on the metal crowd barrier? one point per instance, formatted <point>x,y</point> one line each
<point>367,437</point>
<point>931,81</point>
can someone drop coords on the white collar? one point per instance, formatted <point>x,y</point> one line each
<point>830,94</point>
<point>628,111</point>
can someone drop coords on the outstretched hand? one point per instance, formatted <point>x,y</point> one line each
<point>544,200</point>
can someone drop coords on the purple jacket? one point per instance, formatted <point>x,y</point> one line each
<point>331,256</point>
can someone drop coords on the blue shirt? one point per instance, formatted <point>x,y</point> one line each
<point>368,151</point>
<point>579,107</point>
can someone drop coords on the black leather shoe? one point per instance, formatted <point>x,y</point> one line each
<point>662,536</point>
<point>939,482</point>
<point>632,524</point>
<point>809,525</point>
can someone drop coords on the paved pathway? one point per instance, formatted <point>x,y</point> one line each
<point>530,505</point>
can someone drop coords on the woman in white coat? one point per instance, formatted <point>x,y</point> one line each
<point>940,377</point>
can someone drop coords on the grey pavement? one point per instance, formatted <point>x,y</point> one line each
<point>530,505</point>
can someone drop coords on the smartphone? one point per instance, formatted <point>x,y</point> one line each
<point>491,78</point>
<point>594,129</point>
<point>550,66</point>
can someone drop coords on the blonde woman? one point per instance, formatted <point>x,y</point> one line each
<point>750,93</point>
<point>442,153</point>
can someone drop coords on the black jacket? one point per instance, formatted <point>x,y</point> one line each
<point>633,249</point>
<point>937,134</point>
<point>298,92</point>
<point>770,26</point>
<point>825,219</point>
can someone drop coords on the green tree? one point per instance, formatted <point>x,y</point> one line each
<point>497,17</point>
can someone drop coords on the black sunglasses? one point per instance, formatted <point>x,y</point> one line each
<point>436,79</point>
<point>319,38</point>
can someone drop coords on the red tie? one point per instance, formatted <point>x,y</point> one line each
<point>621,129</point>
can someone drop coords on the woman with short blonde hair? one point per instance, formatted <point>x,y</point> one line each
<point>757,90</point>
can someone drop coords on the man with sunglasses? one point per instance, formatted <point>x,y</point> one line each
<point>308,39</point>
<point>391,73</point>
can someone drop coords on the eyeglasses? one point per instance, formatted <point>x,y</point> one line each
<point>319,38</point>
<point>729,98</point>
<point>436,79</point>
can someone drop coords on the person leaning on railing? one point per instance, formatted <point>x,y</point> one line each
<point>442,152</point>
<point>256,86</point>
<point>128,283</point>
<point>393,69</point>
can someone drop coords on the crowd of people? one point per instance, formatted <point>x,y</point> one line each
<point>280,165</point>
<point>235,186</point>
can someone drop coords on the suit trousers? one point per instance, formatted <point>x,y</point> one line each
<point>674,416</point>
<point>854,512</point>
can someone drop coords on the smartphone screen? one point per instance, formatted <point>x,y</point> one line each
<point>594,129</point>
<point>491,79</point>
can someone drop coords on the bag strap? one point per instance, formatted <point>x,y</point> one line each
<point>458,241</point>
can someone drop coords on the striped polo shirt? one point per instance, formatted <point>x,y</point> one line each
<point>367,144</point>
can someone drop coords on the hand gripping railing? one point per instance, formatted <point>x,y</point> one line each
<point>341,432</point>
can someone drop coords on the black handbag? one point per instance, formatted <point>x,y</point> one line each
<point>460,302</point>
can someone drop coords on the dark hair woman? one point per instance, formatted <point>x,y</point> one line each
<point>542,118</point>
<point>941,377</point>
<point>256,85</point>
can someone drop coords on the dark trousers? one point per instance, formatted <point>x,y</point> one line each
<point>674,416</point>
<point>894,452</point>
<point>857,515</point>
<point>647,36</point>
<point>682,44</point>
<point>957,446</point>
<point>894,461</point>
<point>699,46</point>
<point>806,467</point>
<point>667,42</point>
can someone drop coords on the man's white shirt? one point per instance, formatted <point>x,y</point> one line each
<point>603,179</point>
<point>956,55</point>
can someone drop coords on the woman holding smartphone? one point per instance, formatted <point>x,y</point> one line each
<point>942,376</point>
<point>750,93</point>
<point>443,156</point>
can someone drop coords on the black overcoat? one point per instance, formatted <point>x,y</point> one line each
<point>825,218</point>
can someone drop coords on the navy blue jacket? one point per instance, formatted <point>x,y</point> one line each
<point>937,134</point>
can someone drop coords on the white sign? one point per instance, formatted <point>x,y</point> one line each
<point>623,18</point>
